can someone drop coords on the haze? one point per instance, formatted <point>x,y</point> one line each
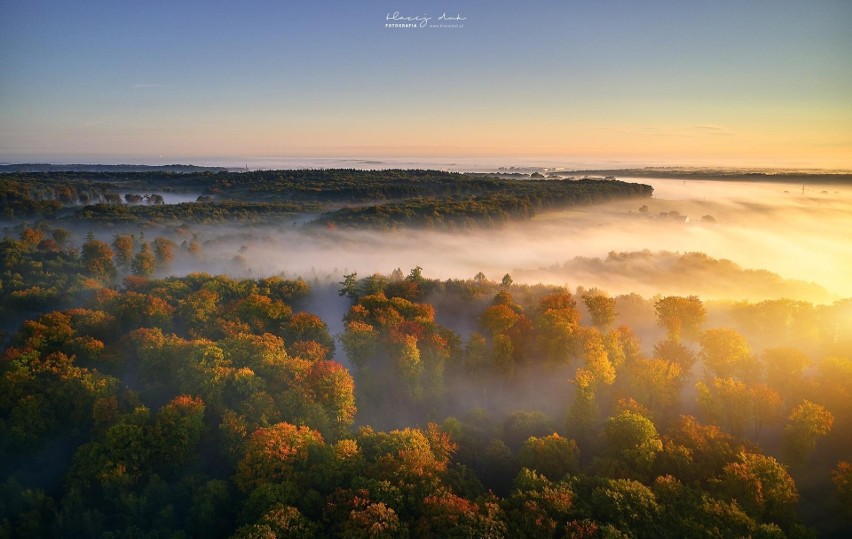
<point>775,227</point>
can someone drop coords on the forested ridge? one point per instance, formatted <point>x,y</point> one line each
<point>207,406</point>
<point>724,174</point>
<point>348,198</point>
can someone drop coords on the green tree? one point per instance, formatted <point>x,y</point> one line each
<point>632,444</point>
<point>521,425</point>
<point>553,456</point>
<point>281,521</point>
<point>349,286</point>
<point>842,478</point>
<point>502,355</point>
<point>60,235</point>
<point>475,355</point>
<point>629,505</point>
<point>583,412</point>
<point>176,431</point>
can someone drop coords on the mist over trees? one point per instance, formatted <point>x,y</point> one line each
<point>135,401</point>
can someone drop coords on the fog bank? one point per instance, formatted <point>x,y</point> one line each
<point>799,236</point>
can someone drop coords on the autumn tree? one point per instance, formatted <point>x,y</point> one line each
<point>31,236</point>
<point>834,379</point>
<point>762,487</point>
<point>144,261</point>
<point>556,322</point>
<point>123,246</point>
<point>449,515</point>
<point>276,453</point>
<point>413,460</point>
<point>359,341</point>
<point>304,326</point>
<point>498,319</point>
<point>675,355</point>
<point>734,405</point>
<point>374,521</point>
<point>602,309</point>
<point>694,452</point>
<point>726,353</point>
<point>785,370</point>
<point>595,358</point>
<point>164,251</point>
<point>97,259</point>
<point>331,386</point>
<point>806,423</point>
<point>656,384</point>
<point>680,316</point>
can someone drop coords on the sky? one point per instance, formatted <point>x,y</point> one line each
<point>728,82</point>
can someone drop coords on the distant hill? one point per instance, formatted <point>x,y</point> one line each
<point>781,176</point>
<point>666,272</point>
<point>46,167</point>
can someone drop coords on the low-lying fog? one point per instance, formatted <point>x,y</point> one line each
<point>799,235</point>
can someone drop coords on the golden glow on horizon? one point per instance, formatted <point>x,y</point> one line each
<point>797,139</point>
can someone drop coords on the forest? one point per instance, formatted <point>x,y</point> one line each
<point>141,397</point>
<point>349,198</point>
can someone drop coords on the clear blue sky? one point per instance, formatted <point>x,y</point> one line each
<point>653,80</point>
